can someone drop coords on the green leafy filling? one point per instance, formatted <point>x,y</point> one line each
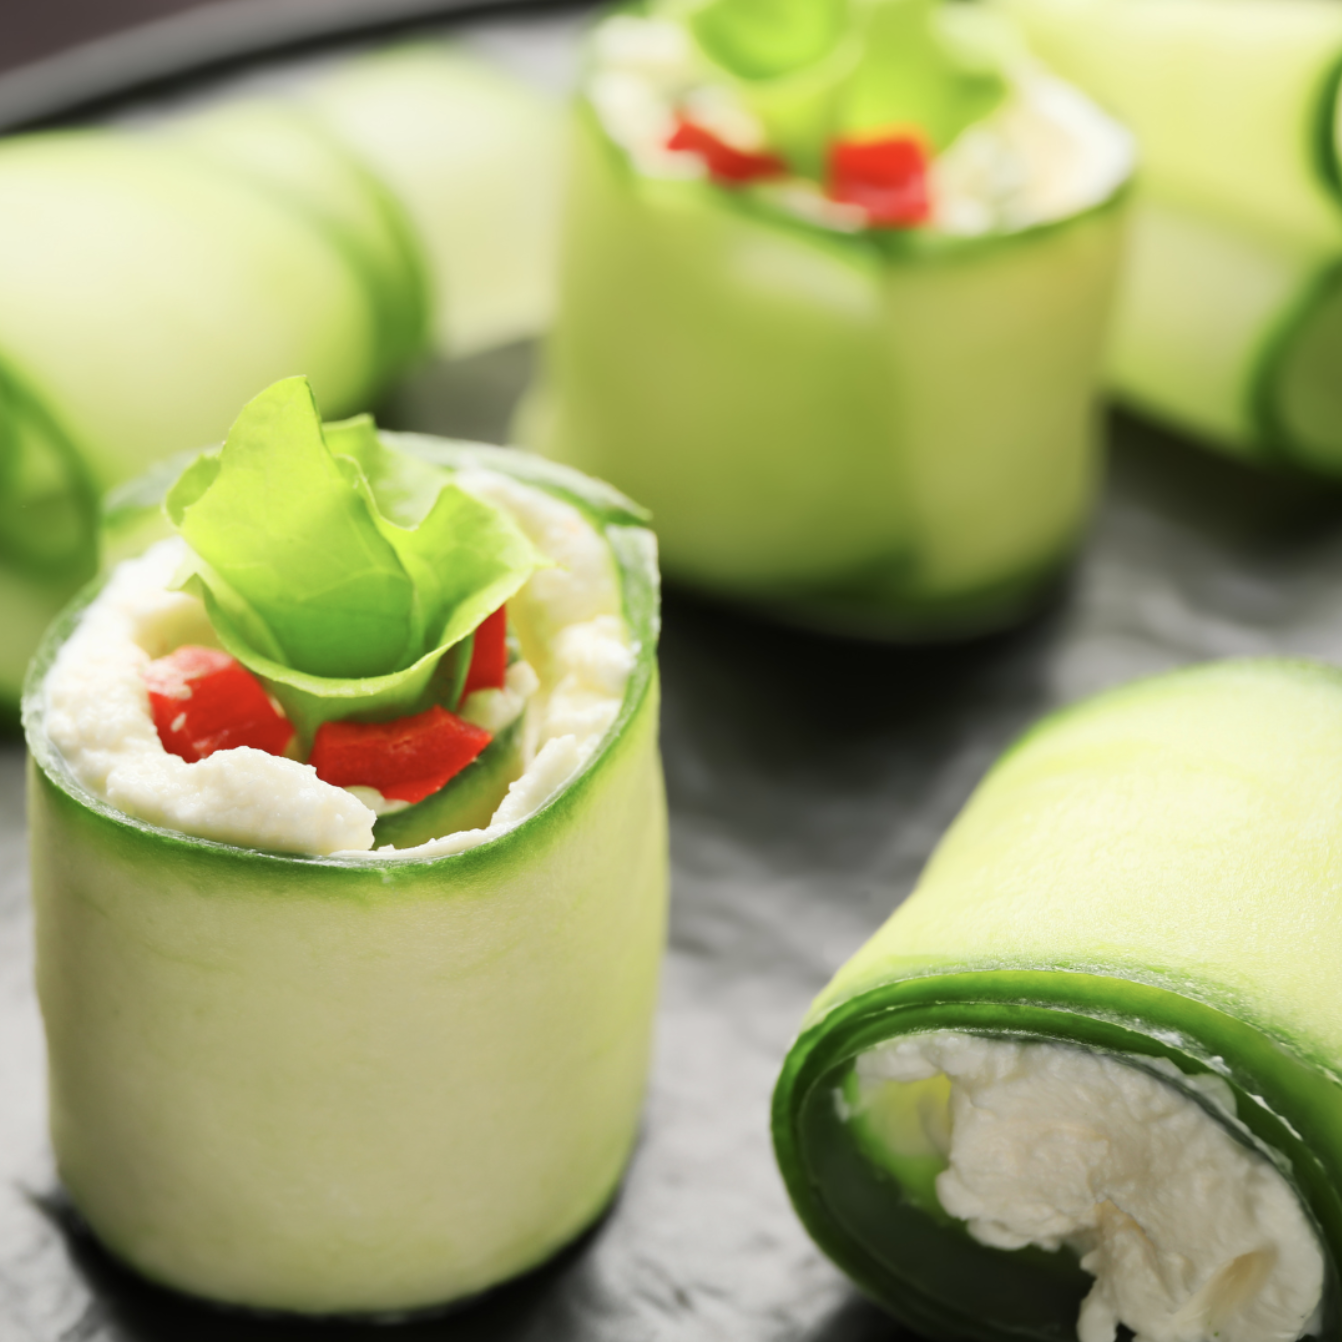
<point>342,574</point>
<point>814,71</point>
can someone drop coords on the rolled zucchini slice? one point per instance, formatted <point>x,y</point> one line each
<point>474,158</point>
<point>1229,323</point>
<point>1232,334</point>
<point>1235,104</point>
<point>361,1083</point>
<point>1087,1075</point>
<point>885,430</point>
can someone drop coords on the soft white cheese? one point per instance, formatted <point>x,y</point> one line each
<point>568,688</point>
<point>1190,1232</point>
<point>1046,153</point>
<point>98,717</point>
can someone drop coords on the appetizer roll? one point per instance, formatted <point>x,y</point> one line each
<point>834,280</point>
<point>147,287</point>
<point>1086,1078</point>
<point>349,866</point>
<point>1230,319</point>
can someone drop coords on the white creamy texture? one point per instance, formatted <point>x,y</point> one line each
<point>98,717</point>
<point>1189,1233</point>
<point>1045,154</point>
<point>570,686</point>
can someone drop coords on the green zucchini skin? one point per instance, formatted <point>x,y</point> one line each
<point>861,432</point>
<point>1152,873</point>
<point>343,1087</point>
<point>1229,322</point>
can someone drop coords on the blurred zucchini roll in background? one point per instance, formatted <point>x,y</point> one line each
<point>834,280</point>
<point>155,276</point>
<point>1086,1078</point>
<point>1229,324</point>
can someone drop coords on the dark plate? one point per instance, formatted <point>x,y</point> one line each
<point>809,779</point>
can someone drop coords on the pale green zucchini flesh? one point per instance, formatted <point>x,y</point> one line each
<point>1150,875</point>
<point>859,435</point>
<point>473,157</point>
<point>342,1086</point>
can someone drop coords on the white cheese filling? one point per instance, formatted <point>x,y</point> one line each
<point>1045,154</point>
<point>578,656</point>
<point>1190,1233</point>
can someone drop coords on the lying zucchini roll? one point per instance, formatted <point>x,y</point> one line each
<point>146,290</point>
<point>349,866</point>
<point>1232,333</point>
<point>834,281</point>
<point>1086,1078</point>
<point>473,156</point>
<point>1234,102</point>
<point>1229,322</point>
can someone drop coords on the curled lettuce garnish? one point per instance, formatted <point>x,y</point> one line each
<point>348,580</point>
<point>815,71</point>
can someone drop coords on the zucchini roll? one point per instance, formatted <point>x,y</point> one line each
<point>473,156</point>
<point>349,865</point>
<point>1086,1078</point>
<point>151,280</point>
<point>1230,316</point>
<point>147,289</point>
<point>833,285</point>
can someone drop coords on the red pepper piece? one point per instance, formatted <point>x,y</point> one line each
<point>405,760</point>
<point>489,656</point>
<point>729,166</point>
<point>203,700</point>
<point>886,177</point>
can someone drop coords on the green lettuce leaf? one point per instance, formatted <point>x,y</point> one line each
<point>916,71</point>
<point>340,573</point>
<point>763,39</point>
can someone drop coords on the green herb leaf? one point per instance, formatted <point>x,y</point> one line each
<point>916,71</point>
<point>309,581</point>
<point>763,39</point>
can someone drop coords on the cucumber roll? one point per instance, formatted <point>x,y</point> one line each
<point>1086,1079</point>
<point>834,281</point>
<point>474,157</point>
<point>349,865</point>
<point>148,286</point>
<point>1230,317</point>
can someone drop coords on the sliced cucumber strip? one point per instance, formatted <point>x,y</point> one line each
<point>1232,334</point>
<point>355,1085</point>
<point>195,289</point>
<point>1149,876</point>
<point>473,156</point>
<point>794,405</point>
<point>287,150</point>
<point>1235,104</point>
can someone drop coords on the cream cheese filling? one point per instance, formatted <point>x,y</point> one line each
<point>1045,154</point>
<point>568,689</point>
<point>1189,1230</point>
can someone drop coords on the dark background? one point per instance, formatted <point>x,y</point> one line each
<point>808,780</point>
<point>31,29</point>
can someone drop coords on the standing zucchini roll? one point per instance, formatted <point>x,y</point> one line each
<point>833,288</point>
<point>366,1033</point>
<point>1087,1075</point>
<point>1230,316</point>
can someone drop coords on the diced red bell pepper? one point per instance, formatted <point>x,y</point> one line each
<point>886,177</point>
<point>405,760</point>
<point>726,165</point>
<point>203,700</point>
<point>489,656</point>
